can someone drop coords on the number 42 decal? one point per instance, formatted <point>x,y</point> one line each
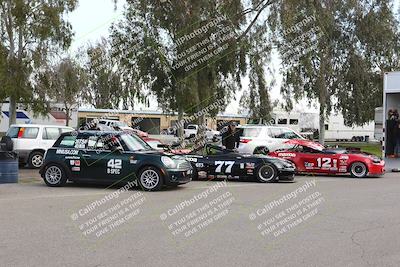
<point>228,164</point>
<point>114,166</point>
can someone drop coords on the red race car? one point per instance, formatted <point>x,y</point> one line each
<point>313,158</point>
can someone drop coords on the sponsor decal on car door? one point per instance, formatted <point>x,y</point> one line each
<point>322,163</point>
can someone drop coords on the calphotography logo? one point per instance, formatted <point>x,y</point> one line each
<point>289,211</point>
<point>106,215</point>
<point>199,212</point>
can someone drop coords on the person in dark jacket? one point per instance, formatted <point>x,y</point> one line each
<point>397,134</point>
<point>231,138</point>
<point>390,133</point>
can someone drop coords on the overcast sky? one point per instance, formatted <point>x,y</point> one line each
<point>92,19</point>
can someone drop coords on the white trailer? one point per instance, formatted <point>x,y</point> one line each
<point>336,130</point>
<point>378,120</point>
<point>56,116</point>
<point>391,100</point>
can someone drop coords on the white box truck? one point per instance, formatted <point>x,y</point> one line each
<point>391,100</point>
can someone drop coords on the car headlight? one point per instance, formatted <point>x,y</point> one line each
<point>168,162</point>
<point>376,160</point>
<point>284,164</point>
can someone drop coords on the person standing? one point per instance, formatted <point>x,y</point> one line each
<point>390,134</point>
<point>231,138</point>
<point>397,134</point>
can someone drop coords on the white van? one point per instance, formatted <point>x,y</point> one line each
<point>261,138</point>
<point>32,140</point>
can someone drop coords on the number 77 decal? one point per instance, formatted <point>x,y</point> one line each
<point>219,164</point>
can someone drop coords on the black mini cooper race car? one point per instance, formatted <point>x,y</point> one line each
<point>111,157</point>
<point>216,162</point>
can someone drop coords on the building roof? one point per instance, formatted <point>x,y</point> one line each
<point>150,112</point>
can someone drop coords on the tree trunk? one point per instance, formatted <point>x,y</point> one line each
<point>67,111</point>
<point>321,137</point>
<point>201,132</point>
<point>180,127</point>
<point>323,98</point>
<point>12,111</point>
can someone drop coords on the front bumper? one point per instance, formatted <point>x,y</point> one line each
<point>376,169</point>
<point>287,174</point>
<point>178,176</point>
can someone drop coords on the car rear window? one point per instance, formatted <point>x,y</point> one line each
<point>67,141</point>
<point>250,132</point>
<point>275,132</point>
<point>282,133</point>
<point>13,132</point>
<point>23,132</point>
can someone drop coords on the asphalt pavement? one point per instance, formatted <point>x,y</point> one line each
<point>315,221</point>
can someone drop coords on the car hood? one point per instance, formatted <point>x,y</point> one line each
<point>159,153</point>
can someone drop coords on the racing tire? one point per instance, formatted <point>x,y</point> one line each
<point>54,176</point>
<point>261,150</point>
<point>195,175</point>
<point>267,173</point>
<point>358,170</point>
<point>150,179</point>
<point>35,160</point>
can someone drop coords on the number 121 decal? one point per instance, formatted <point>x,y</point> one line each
<point>326,163</point>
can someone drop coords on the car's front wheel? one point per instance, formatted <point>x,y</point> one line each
<point>267,173</point>
<point>54,176</point>
<point>150,179</point>
<point>358,170</point>
<point>35,159</point>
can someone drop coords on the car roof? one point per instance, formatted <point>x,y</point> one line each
<point>93,133</point>
<point>39,125</point>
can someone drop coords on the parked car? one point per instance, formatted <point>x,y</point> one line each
<point>32,140</point>
<point>192,130</point>
<point>158,145</point>
<point>256,139</point>
<point>216,162</point>
<point>313,158</point>
<point>121,126</point>
<point>110,157</point>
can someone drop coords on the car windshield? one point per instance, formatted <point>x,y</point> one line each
<point>134,143</point>
<point>191,127</point>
